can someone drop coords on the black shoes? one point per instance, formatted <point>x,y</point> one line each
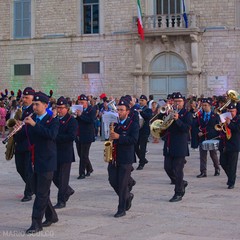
<point>120,214</point>
<point>231,187</point>
<point>34,229</point>
<point>140,167</point>
<point>217,172</point>
<point>129,201</point>
<point>185,184</point>
<point>88,173</point>
<point>26,198</point>
<point>70,194</point>
<point>82,176</point>
<point>172,182</point>
<point>128,206</point>
<point>202,175</point>
<point>130,186</point>
<point>60,205</point>
<point>48,223</point>
<point>176,198</point>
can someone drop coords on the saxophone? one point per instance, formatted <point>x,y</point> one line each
<point>10,147</point>
<point>109,148</point>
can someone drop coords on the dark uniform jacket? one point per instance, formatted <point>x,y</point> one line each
<point>232,144</point>
<point>124,146</point>
<point>66,135</point>
<point>43,139</point>
<point>134,116</point>
<point>86,130</point>
<point>146,114</point>
<point>176,136</point>
<point>21,145</point>
<point>194,130</point>
<point>207,127</point>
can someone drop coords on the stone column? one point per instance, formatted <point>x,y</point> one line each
<point>138,57</point>
<point>194,50</point>
<point>145,87</point>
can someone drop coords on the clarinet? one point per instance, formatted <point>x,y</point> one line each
<point>15,130</point>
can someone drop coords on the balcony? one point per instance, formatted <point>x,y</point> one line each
<point>169,25</point>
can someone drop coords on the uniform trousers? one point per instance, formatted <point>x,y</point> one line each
<point>61,180</point>
<point>229,161</point>
<point>24,168</point>
<point>118,176</point>
<point>41,183</point>
<point>140,149</point>
<point>203,159</point>
<point>83,153</point>
<point>174,169</point>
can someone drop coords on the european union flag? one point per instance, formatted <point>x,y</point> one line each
<point>185,15</point>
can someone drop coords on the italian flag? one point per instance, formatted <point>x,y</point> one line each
<point>140,24</point>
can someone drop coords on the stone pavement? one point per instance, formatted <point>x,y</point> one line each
<point>208,210</point>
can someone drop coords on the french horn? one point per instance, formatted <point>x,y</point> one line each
<point>155,128</point>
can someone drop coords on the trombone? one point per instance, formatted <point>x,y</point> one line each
<point>233,96</point>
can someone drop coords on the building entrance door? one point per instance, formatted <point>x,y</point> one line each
<point>168,76</point>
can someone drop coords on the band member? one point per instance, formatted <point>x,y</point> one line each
<point>65,152</point>
<point>86,135</point>
<point>42,131</point>
<point>176,146</point>
<point>22,151</point>
<point>230,147</point>
<point>133,114</point>
<point>144,132</point>
<point>195,111</point>
<point>125,136</point>
<point>206,130</point>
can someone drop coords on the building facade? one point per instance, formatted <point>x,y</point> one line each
<point>92,46</point>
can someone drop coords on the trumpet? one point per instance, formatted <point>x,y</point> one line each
<point>224,128</point>
<point>220,127</point>
<point>14,131</point>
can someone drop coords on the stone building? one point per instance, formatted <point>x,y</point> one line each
<point>92,46</point>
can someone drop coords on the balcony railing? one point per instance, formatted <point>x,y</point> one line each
<point>165,22</point>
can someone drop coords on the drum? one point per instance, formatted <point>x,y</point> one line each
<point>210,145</point>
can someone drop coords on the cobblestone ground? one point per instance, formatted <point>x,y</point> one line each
<point>208,210</point>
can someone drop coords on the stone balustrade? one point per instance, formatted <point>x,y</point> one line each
<point>164,22</point>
